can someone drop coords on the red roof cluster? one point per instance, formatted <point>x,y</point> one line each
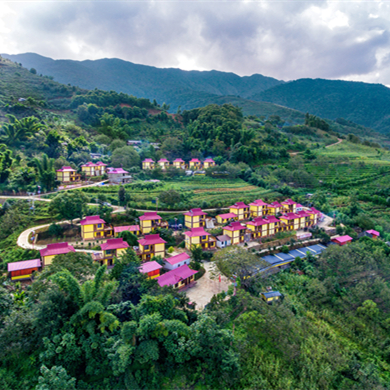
<point>57,249</point>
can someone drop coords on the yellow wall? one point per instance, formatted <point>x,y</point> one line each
<point>48,260</point>
<point>146,226</point>
<point>256,211</point>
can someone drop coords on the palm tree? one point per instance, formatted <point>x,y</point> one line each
<point>46,172</point>
<point>91,299</point>
<point>20,130</point>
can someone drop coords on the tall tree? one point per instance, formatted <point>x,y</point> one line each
<point>46,172</point>
<point>69,205</point>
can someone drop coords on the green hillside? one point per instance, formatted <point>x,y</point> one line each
<point>164,85</point>
<point>366,104</point>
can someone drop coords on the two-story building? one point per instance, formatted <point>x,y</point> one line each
<point>151,268</point>
<point>292,221</point>
<point>67,175</point>
<point>273,225</point>
<point>53,250</point>
<point>194,218</point>
<point>148,163</point>
<point>177,261</point>
<point>150,246</point>
<point>307,219</point>
<point>118,176</point>
<point>164,163</point>
<point>178,277</point>
<point>93,227</point>
<point>273,208</point>
<point>151,220</point>
<point>179,163</point>
<point>314,215</point>
<point>225,218</point>
<point>236,232</point>
<point>289,206</point>
<point>94,169</point>
<point>257,208</point>
<point>199,237</point>
<point>241,210</point>
<point>195,164</point>
<point>258,227</point>
<point>135,229</point>
<point>208,163</point>
<point>113,248</point>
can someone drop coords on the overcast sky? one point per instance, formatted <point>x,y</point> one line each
<point>284,39</point>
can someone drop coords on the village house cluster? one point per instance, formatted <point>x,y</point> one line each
<point>242,224</point>
<point>68,175</point>
<point>194,164</point>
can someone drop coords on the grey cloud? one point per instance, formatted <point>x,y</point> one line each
<point>284,40</point>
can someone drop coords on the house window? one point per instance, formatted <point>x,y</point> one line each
<point>99,225</point>
<point>146,247</point>
<point>108,252</point>
<point>203,237</point>
<point>176,285</point>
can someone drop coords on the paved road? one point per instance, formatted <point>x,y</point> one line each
<point>328,146</point>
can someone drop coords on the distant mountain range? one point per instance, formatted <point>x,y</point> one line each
<point>362,103</point>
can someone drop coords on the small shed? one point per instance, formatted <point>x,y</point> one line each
<point>342,240</point>
<point>223,241</point>
<point>23,269</point>
<point>271,296</point>
<point>151,268</point>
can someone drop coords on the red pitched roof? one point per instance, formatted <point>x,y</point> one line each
<point>258,222</point>
<point>313,210</point>
<point>149,266</point>
<point>116,170</point>
<point>149,216</point>
<point>179,160</point>
<point>197,232</point>
<point>66,169</point>
<point>291,216</point>
<point>148,160</point>
<point>258,202</point>
<point>89,164</point>
<point>163,160</point>
<point>227,215</point>
<point>209,160</point>
<point>114,243</point>
<point>373,232</point>
<point>19,265</point>
<point>234,226</point>
<point>271,219</point>
<point>130,228</point>
<point>289,202</point>
<point>92,220</point>
<point>195,160</point>
<point>151,239</point>
<point>100,164</point>
<point>304,213</point>
<point>342,239</point>
<point>195,213</point>
<point>176,275</point>
<point>177,259</point>
<point>57,249</point>
<point>274,205</point>
<point>239,205</point>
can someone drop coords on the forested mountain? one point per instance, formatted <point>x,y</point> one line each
<point>165,85</point>
<point>362,103</point>
<point>366,104</point>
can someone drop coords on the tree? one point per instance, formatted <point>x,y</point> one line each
<point>237,262</point>
<point>122,195</point>
<point>129,237</point>
<point>196,253</point>
<point>20,130</point>
<point>55,379</point>
<point>125,157</point>
<point>6,162</point>
<point>170,197</point>
<point>33,71</point>
<point>69,205</point>
<point>46,172</point>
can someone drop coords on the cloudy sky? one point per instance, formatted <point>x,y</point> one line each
<point>287,39</point>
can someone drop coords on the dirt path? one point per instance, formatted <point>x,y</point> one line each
<point>328,146</point>
<point>206,287</point>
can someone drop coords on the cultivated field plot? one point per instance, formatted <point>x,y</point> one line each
<point>194,192</point>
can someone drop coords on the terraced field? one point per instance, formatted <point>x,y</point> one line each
<point>195,192</point>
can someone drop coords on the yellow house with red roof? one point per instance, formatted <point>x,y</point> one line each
<point>148,163</point>
<point>194,218</point>
<point>113,248</point>
<point>273,208</point>
<point>241,210</point>
<point>236,232</point>
<point>52,250</point>
<point>179,163</point>
<point>257,208</point>
<point>67,175</point>
<point>197,236</point>
<point>150,246</point>
<point>93,227</point>
<point>258,227</point>
<point>151,220</point>
<point>289,206</point>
